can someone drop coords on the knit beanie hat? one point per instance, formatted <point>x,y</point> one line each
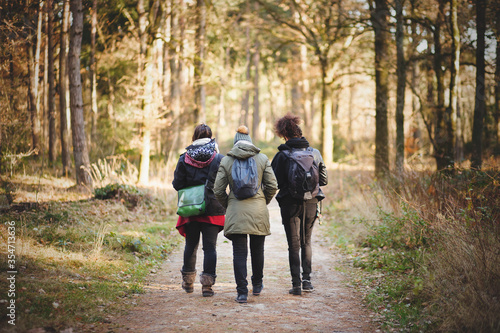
<point>242,134</point>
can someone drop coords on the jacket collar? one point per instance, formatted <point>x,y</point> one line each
<point>294,143</point>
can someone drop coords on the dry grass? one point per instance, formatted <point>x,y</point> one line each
<point>433,262</point>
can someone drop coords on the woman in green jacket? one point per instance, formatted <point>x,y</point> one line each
<point>248,216</point>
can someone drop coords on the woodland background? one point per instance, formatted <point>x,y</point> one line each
<point>402,97</point>
<point>134,77</point>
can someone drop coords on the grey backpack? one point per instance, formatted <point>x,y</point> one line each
<point>245,178</point>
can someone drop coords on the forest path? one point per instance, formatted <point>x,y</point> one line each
<point>331,307</point>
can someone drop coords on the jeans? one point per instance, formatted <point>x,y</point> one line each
<point>298,234</point>
<point>209,234</point>
<point>240,254</point>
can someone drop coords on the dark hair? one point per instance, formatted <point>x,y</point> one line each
<point>288,126</point>
<point>202,131</point>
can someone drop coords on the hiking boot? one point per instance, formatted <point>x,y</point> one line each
<point>207,281</point>
<point>295,291</point>
<point>307,286</point>
<point>257,289</point>
<point>188,281</point>
<point>242,298</point>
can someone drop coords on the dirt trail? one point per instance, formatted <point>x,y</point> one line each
<point>332,307</point>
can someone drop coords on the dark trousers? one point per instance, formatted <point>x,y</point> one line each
<point>209,234</point>
<point>240,254</point>
<point>298,234</point>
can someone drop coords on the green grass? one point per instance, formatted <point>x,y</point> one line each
<point>80,261</point>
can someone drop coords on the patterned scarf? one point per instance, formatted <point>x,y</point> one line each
<point>200,155</point>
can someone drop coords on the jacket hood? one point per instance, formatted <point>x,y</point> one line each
<point>294,143</point>
<point>243,150</point>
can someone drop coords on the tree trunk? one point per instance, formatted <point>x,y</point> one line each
<point>401,87</point>
<point>256,105</point>
<point>80,151</point>
<point>456,123</point>
<point>34,96</point>
<point>480,100</point>
<point>52,90</point>
<point>326,135</point>
<point>166,74</point>
<point>93,73</point>
<point>444,149</point>
<point>306,95</point>
<point>379,20</point>
<point>176,56</point>
<point>145,105</point>
<point>245,103</point>
<point>142,78</point>
<point>497,80</point>
<point>63,87</point>
<point>296,73</point>
<point>199,114</point>
<point>44,108</point>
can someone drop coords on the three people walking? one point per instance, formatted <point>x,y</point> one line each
<point>253,181</point>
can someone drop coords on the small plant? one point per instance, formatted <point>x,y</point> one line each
<point>131,196</point>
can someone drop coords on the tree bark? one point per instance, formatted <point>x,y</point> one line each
<point>401,87</point>
<point>63,87</point>
<point>52,90</point>
<point>199,114</point>
<point>80,151</point>
<point>93,73</point>
<point>142,78</point>
<point>245,103</point>
<point>480,100</point>
<point>497,79</point>
<point>167,34</point>
<point>306,94</point>
<point>34,72</point>
<point>456,119</point>
<point>379,20</point>
<point>256,105</point>
<point>326,134</point>
<point>444,149</point>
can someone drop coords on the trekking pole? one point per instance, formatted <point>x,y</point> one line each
<point>319,208</point>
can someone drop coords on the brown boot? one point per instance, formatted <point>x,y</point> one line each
<point>207,281</point>
<point>188,281</point>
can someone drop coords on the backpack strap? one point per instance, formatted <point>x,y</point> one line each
<point>212,171</point>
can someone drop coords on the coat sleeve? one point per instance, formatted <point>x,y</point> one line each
<point>179,181</point>
<point>269,182</point>
<point>278,165</point>
<point>323,175</point>
<point>220,185</point>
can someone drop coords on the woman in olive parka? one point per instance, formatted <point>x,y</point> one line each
<point>246,217</point>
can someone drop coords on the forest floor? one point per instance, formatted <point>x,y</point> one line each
<point>334,305</point>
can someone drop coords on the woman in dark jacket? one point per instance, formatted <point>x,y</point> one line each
<point>198,165</point>
<point>298,223</point>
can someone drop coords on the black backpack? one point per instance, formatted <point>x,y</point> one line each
<point>303,174</point>
<point>245,178</point>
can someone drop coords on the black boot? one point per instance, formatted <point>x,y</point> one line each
<point>307,285</point>
<point>296,290</point>
<point>188,281</point>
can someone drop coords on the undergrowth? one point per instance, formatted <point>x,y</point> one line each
<point>429,259</point>
<point>80,262</point>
